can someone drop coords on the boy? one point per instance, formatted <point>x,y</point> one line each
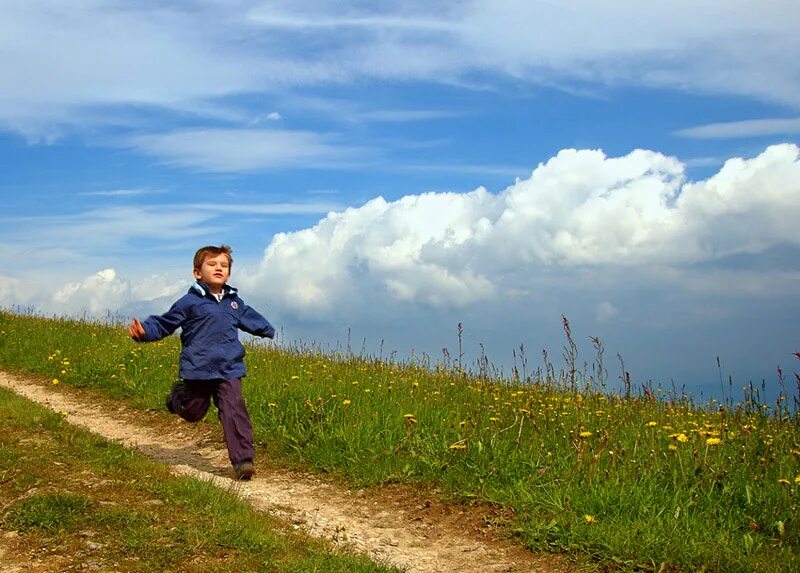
<point>211,365</point>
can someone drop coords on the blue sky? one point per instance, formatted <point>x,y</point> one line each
<point>387,172</point>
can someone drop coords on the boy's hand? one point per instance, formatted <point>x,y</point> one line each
<point>136,330</point>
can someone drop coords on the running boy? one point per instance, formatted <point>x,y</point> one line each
<point>211,365</point>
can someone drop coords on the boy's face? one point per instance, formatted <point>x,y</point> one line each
<point>214,271</point>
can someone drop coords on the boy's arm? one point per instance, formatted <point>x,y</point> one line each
<point>252,322</point>
<point>157,327</point>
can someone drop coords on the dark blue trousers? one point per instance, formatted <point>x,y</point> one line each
<point>190,399</point>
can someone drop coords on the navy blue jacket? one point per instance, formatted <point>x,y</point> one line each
<point>210,332</point>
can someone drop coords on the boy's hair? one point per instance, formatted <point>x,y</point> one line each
<point>213,251</point>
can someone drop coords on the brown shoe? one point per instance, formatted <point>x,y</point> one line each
<point>244,470</point>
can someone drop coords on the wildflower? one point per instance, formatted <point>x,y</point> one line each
<point>494,419</point>
<point>589,518</point>
<point>56,380</point>
<point>783,481</point>
<point>347,402</point>
<point>651,424</point>
<point>682,437</point>
<point>585,434</point>
<point>797,479</point>
<point>295,377</point>
<point>673,447</point>
<point>272,405</point>
<point>713,441</point>
<point>410,418</point>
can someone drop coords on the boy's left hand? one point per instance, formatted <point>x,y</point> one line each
<point>136,330</point>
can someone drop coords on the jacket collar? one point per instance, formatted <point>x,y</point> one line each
<point>202,289</point>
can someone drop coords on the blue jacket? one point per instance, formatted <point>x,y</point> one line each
<point>210,332</point>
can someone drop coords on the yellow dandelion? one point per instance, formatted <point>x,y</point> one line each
<point>56,381</point>
<point>713,441</point>
<point>589,518</point>
<point>797,479</point>
<point>673,447</point>
<point>494,419</point>
<point>682,437</point>
<point>585,434</point>
<point>272,405</point>
<point>651,424</point>
<point>295,377</point>
<point>347,402</point>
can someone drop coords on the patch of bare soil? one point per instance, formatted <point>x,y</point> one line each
<point>393,525</point>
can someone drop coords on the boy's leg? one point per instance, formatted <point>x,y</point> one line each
<point>235,420</point>
<point>190,399</point>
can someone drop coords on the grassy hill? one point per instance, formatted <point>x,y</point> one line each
<point>630,482</point>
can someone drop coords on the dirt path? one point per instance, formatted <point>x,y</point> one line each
<point>416,534</point>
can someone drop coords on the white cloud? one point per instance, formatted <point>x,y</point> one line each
<point>223,150</point>
<point>101,55</point>
<point>580,209</point>
<point>605,311</point>
<point>12,292</point>
<point>582,222</point>
<point>739,129</point>
<point>105,292</point>
<point>122,192</point>
<point>55,240</point>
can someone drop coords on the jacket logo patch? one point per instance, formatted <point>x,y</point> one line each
<point>234,305</point>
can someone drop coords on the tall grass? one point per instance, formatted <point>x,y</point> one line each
<point>634,480</point>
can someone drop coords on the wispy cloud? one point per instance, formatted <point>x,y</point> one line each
<point>192,56</point>
<point>742,129</point>
<point>267,208</point>
<point>228,150</point>
<point>405,115</point>
<point>122,192</point>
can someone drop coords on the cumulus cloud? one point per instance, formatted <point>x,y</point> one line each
<point>105,291</point>
<point>579,210</point>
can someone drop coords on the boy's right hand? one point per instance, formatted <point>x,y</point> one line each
<point>136,330</point>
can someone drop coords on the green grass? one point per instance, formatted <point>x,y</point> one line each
<point>629,483</point>
<point>73,497</point>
